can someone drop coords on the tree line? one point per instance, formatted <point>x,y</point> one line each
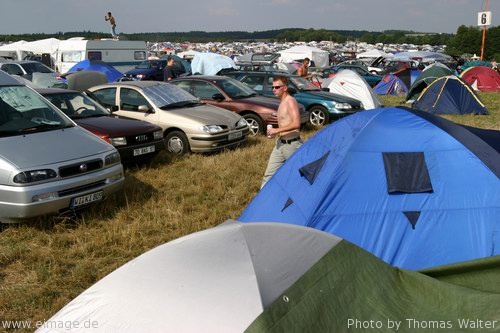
<point>467,40</point>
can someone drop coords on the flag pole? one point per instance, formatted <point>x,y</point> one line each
<point>484,35</point>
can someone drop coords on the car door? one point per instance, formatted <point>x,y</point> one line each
<point>206,91</point>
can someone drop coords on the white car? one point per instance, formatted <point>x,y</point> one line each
<point>48,164</point>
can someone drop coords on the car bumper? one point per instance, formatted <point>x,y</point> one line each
<point>140,152</point>
<point>206,144</point>
<point>21,205</point>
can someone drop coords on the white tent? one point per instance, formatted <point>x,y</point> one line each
<point>422,56</point>
<point>351,84</point>
<point>374,53</point>
<point>189,54</point>
<point>320,57</point>
<point>216,280</point>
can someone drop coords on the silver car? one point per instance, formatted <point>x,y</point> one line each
<point>187,123</point>
<point>48,164</point>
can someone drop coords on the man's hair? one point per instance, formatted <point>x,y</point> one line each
<point>306,59</point>
<point>109,13</point>
<point>281,78</point>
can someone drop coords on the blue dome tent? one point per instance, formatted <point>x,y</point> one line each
<point>412,188</point>
<point>112,74</point>
<point>449,95</point>
<point>391,85</point>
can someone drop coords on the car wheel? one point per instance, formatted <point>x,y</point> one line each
<point>318,116</point>
<point>177,143</point>
<point>255,124</point>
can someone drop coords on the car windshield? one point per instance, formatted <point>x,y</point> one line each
<point>165,95</point>
<point>36,67</point>
<point>23,111</point>
<point>235,89</point>
<point>77,105</point>
<point>303,84</point>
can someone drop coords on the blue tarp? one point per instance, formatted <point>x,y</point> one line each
<point>445,207</point>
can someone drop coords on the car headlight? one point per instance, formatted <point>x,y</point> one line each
<point>34,176</point>
<point>212,129</point>
<point>242,122</point>
<point>158,135</point>
<point>119,141</point>
<point>112,158</point>
<point>343,106</point>
<point>140,76</point>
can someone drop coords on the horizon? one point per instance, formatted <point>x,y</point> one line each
<point>426,16</point>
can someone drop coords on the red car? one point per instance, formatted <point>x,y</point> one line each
<point>228,93</point>
<point>135,140</point>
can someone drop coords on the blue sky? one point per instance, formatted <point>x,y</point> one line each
<point>49,16</point>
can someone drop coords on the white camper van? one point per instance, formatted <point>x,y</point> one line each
<point>122,55</point>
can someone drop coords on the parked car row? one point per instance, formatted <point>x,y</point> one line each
<point>48,164</point>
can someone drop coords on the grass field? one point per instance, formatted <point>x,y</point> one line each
<point>46,263</point>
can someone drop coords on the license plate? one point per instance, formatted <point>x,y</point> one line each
<point>86,199</point>
<point>234,135</point>
<point>145,150</point>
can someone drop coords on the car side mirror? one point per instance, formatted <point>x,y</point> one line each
<point>326,89</point>
<point>144,108</point>
<point>113,108</point>
<point>292,91</point>
<point>218,97</point>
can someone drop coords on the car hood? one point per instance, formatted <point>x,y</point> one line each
<point>331,96</point>
<point>145,71</point>
<point>114,127</point>
<point>208,115</point>
<point>269,102</point>
<point>46,148</point>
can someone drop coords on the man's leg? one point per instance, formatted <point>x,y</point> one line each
<point>276,159</point>
<point>281,152</point>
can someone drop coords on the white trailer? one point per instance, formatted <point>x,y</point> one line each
<point>121,54</point>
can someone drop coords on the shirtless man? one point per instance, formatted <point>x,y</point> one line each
<point>304,69</point>
<point>288,130</point>
<point>112,21</point>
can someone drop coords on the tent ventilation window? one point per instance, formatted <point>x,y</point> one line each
<point>406,173</point>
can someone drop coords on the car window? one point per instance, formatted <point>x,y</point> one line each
<point>255,82</point>
<point>76,103</point>
<point>184,85</point>
<point>204,90</point>
<point>24,111</point>
<point>106,96</point>
<point>36,67</point>
<point>12,69</point>
<point>131,99</point>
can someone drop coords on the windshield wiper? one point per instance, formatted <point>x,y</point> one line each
<point>44,127</point>
<point>181,104</point>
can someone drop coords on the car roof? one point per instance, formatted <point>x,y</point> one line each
<point>138,84</point>
<point>22,62</point>
<point>51,91</point>
<point>274,73</point>
<point>7,80</point>
<point>203,77</point>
